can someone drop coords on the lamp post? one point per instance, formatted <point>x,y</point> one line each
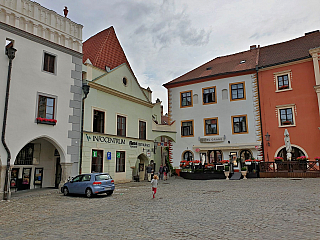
<point>10,52</point>
<point>268,144</point>
<point>85,89</point>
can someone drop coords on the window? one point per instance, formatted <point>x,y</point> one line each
<point>49,63</point>
<point>286,116</point>
<point>188,156</point>
<point>86,178</point>
<point>120,164</point>
<point>121,126</point>
<point>125,81</point>
<point>239,124</point>
<point>187,128</point>
<point>97,161</point>
<point>282,80</point>
<point>186,99</point>
<point>211,126</point>
<point>98,121</point>
<point>142,130</point>
<point>237,91</point>
<point>46,107</point>
<point>25,156</point>
<point>209,95</point>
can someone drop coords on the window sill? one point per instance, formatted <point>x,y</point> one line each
<point>45,122</point>
<point>284,90</point>
<point>288,125</point>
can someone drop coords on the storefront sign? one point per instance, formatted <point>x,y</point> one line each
<point>118,154</point>
<point>108,155</point>
<point>212,139</point>
<point>105,139</point>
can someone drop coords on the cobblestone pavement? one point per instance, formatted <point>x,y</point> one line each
<point>183,209</point>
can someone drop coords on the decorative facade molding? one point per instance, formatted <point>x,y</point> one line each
<point>256,107</point>
<point>34,19</point>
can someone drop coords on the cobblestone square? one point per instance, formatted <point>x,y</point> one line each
<point>183,209</point>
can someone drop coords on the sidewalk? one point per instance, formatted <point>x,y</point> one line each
<point>34,192</point>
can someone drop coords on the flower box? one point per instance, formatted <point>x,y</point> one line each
<point>46,121</point>
<point>287,123</point>
<point>283,87</point>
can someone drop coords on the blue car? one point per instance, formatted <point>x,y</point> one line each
<point>89,184</point>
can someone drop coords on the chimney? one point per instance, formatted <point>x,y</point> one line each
<point>253,47</point>
<point>161,110</point>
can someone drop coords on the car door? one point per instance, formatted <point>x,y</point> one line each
<point>85,182</point>
<point>75,184</point>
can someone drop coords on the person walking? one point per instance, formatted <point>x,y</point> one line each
<point>154,184</point>
<point>149,171</point>
<point>165,172</point>
<point>161,172</point>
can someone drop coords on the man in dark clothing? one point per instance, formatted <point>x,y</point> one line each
<point>161,172</point>
<point>149,171</point>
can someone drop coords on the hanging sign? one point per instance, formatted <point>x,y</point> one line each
<point>118,154</point>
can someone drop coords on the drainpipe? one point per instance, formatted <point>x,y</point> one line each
<point>86,89</point>
<point>10,52</point>
<point>260,111</point>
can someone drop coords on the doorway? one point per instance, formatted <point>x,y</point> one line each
<point>58,173</point>
<point>214,156</point>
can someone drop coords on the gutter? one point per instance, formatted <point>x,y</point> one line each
<point>10,52</point>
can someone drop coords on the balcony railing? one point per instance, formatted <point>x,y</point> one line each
<point>290,166</point>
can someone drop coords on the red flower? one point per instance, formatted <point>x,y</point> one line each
<point>46,120</point>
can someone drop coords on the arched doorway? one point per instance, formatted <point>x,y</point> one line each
<point>296,152</point>
<point>37,165</point>
<point>140,170</point>
<point>187,156</point>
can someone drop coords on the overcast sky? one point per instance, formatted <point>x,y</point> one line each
<point>164,39</point>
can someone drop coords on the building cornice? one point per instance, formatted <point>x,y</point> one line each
<point>293,62</point>
<point>39,40</point>
<point>119,94</point>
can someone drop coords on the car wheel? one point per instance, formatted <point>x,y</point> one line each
<point>88,193</point>
<point>65,191</point>
<point>109,193</point>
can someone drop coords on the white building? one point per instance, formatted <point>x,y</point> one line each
<point>216,110</point>
<point>42,129</point>
<point>120,120</point>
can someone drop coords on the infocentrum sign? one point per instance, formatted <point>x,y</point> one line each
<point>132,144</point>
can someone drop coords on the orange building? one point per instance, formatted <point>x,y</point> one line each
<point>289,87</point>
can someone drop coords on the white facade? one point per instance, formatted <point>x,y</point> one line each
<point>54,145</point>
<point>224,142</point>
<point>111,97</point>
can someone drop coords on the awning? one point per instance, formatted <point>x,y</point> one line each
<point>205,147</point>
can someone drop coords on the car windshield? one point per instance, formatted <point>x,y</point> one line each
<point>103,177</point>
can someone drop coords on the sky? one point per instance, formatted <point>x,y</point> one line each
<point>164,39</point>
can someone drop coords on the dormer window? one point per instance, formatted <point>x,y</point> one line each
<point>242,61</point>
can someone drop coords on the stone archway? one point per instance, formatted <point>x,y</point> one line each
<point>34,165</point>
<point>296,152</point>
<point>141,164</point>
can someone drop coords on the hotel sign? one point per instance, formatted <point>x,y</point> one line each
<point>211,139</point>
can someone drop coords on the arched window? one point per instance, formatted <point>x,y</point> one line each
<point>296,152</point>
<point>245,155</point>
<point>188,156</point>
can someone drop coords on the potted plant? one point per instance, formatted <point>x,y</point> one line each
<point>317,158</point>
<point>244,172</point>
<point>227,171</point>
<point>302,158</point>
<point>278,159</point>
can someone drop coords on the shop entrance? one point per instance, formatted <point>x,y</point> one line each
<point>214,156</point>
<point>143,163</point>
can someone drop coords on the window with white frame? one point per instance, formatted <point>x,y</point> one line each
<point>283,80</point>
<point>121,126</point>
<point>98,121</point>
<point>49,63</point>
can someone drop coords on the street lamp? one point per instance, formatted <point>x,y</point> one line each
<point>268,138</point>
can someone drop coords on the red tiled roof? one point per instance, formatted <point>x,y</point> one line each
<point>290,50</point>
<point>221,65</point>
<point>104,49</point>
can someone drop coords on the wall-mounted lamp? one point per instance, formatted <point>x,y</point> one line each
<point>85,89</point>
<point>268,138</point>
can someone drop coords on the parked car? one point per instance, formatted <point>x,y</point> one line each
<point>89,184</point>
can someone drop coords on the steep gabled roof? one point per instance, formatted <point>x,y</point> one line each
<point>235,63</point>
<point>289,51</point>
<point>104,49</point>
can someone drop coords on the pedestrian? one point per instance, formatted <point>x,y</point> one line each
<point>154,184</point>
<point>165,172</point>
<point>161,172</point>
<point>149,171</point>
